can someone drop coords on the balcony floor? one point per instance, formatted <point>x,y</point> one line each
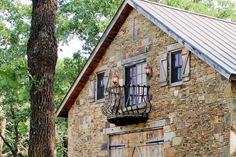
<point>127,119</point>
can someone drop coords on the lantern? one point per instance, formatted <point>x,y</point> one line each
<point>148,70</point>
<point>115,79</point>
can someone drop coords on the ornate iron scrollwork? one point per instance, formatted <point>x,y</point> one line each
<point>129,104</point>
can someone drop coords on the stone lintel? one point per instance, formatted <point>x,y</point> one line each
<point>135,128</point>
<point>173,47</point>
<point>134,60</point>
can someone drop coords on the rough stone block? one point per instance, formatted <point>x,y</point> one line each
<point>169,152</point>
<point>169,135</point>
<point>177,141</point>
<point>216,136</point>
<point>201,98</point>
<point>167,128</point>
<point>159,123</point>
<point>167,144</point>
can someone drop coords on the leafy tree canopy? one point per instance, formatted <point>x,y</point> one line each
<point>86,19</point>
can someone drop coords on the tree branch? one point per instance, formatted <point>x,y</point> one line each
<point>16,138</point>
<point>8,144</point>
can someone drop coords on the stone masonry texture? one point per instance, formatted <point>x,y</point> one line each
<point>196,112</point>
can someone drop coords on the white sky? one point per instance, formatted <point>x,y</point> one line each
<point>67,50</point>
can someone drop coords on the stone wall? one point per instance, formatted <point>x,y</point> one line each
<point>230,93</point>
<point>196,112</point>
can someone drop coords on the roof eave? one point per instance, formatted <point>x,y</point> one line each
<point>68,100</point>
<point>232,77</point>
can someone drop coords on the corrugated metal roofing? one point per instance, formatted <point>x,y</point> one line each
<point>211,39</point>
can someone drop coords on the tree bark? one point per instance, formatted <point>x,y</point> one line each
<point>42,57</point>
<point>2,130</point>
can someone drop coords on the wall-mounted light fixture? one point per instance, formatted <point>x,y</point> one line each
<point>148,70</point>
<point>115,78</point>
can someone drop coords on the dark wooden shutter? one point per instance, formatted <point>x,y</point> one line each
<point>186,65</point>
<point>163,69</point>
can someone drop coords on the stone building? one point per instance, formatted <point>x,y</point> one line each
<point>160,82</point>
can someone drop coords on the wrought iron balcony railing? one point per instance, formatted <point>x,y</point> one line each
<point>126,105</point>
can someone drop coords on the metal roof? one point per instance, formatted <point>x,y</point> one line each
<point>211,39</point>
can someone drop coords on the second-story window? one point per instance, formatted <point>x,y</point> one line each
<point>135,77</point>
<point>176,66</point>
<point>100,85</point>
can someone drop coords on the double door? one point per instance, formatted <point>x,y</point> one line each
<point>139,144</point>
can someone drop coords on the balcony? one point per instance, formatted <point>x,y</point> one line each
<point>125,105</point>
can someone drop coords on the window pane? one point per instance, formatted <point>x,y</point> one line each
<point>139,68</point>
<point>176,66</point>
<point>100,85</point>
<point>176,60</point>
<point>180,59</point>
<point>179,73</point>
<point>135,75</point>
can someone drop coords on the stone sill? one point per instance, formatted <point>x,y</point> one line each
<point>100,101</point>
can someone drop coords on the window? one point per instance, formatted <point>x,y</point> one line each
<point>176,66</point>
<point>134,76</point>
<point>100,85</point>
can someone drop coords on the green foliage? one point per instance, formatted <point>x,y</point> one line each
<point>86,19</point>
<point>66,72</point>
<point>224,9</point>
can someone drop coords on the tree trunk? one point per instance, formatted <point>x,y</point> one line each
<point>42,57</point>
<point>2,129</point>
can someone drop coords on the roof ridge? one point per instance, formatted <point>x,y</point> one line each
<point>190,12</point>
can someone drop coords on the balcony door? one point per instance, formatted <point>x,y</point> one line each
<point>135,78</point>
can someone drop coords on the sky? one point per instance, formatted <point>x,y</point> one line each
<point>67,50</point>
<point>64,50</point>
<point>73,45</point>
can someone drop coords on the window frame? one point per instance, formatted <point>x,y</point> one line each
<point>96,96</point>
<point>174,49</point>
<point>173,67</point>
<point>125,76</point>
